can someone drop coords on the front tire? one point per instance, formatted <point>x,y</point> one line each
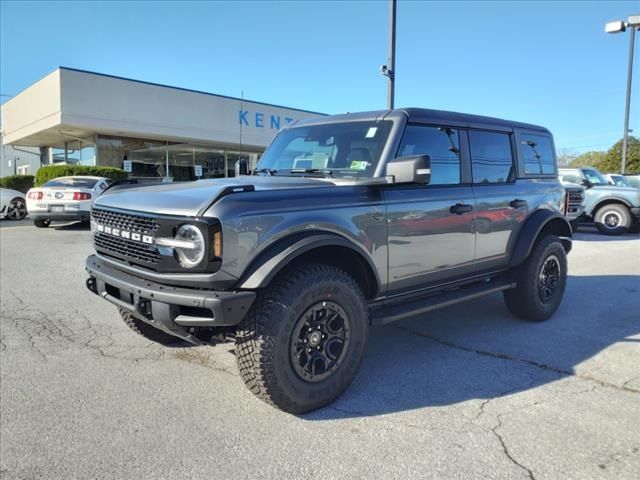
<point>147,331</point>
<point>541,281</point>
<point>17,209</point>
<point>303,340</point>
<point>613,219</point>
<point>42,223</point>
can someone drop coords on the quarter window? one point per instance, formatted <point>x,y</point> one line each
<point>491,157</point>
<point>538,155</point>
<point>442,144</point>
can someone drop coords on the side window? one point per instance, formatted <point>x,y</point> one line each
<point>538,155</point>
<point>571,177</point>
<point>442,144</point>
<point>491,157</point>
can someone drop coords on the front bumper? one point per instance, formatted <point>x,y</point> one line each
<point>635,211</point>
<point>171,309</point>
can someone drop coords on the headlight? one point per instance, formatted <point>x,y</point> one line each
<point>192,250</point>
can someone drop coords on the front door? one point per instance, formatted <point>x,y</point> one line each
<point>430,227</point>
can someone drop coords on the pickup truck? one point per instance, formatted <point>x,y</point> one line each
<point>347,222</point>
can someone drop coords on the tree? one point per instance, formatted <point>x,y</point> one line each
<point>588,159</point>
<point>566,156</point>
<point>612,162</point>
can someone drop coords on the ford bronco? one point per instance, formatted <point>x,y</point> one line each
<point>347,221</point>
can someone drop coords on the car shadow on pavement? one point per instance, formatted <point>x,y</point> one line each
<point>589,233</point>
<point>478,351</point>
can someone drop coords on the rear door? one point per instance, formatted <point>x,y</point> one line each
<point>501,203</point>
<point>430,226</point>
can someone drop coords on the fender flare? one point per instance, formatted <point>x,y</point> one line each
<point>270,262</point>
<point>531,230</point>
<point>607,200</point>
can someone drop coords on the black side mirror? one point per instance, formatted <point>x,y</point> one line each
<point>587,183</point>
<point>414,169</point>
<point>241,167</point>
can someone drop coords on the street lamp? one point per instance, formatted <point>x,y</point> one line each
<point>389,70</point>
<point>633,23</point>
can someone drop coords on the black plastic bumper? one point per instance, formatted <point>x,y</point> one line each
<point>635,211</point>
<point>61,216</point>
<point>171,309</point>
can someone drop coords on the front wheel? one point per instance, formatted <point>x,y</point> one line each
<point>540,282</point>
<point>17,209</point>
<point>613,219</point>
<point>302,342</point>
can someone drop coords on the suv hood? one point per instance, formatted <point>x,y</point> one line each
<point>616,189</point>
<point>191,198</point>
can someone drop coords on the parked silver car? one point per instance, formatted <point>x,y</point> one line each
<point>13,205</point>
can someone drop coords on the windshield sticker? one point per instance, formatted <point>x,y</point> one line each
<point>358,165</point>
<point>371,132</point>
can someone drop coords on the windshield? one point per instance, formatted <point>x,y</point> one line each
<point>594,176</point>
<point>71,182</point>
<point>347,149</point>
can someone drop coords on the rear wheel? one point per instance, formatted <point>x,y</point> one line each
<point>302,342</point>
<point>42,223</point>
<point>613,219</point>
<point>17,209</point>
<point>147,331</point>
<point>540,280</point>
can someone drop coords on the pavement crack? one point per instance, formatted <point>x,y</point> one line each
<point>505,449</point>
<point>524,361</point>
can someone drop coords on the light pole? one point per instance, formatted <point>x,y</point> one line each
<point>389,70</point>
<point>633,23</point>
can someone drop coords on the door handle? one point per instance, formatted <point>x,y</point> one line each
<point>517,203</point>
<point>460,208</point>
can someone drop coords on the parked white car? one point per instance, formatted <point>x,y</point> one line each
<point>64,198</point>
<point>12,204</point>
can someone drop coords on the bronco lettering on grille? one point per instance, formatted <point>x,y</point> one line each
<point>116,232</point>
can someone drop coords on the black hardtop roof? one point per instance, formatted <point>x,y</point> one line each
<point>426,115</point>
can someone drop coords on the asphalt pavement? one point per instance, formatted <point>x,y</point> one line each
<point>467,392</point>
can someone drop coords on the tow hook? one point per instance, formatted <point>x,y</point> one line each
<point>91,285</point>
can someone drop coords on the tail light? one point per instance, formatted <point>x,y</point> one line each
<point>35,195</point>
<point>81,196</point>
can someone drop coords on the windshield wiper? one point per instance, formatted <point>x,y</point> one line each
<point>268,171</point>
<point>324,171</point>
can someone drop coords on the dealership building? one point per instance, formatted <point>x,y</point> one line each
<point>153,131</point>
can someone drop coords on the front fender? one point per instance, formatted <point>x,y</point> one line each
<point>270,262</point>
<point>547,220</point>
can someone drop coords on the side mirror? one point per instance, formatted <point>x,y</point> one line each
<point>414,169</point>
<point>241,167</point>
<point>587,183</point>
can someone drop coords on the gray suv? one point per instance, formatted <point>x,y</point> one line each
<point>615,210</point>
<point>348,221</point>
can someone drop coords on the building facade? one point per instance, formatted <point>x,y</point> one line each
<point>153,131</point>
<point>18,161</point>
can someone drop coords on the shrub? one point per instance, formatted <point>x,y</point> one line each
<point>21,183</point>
<point>50,172</point>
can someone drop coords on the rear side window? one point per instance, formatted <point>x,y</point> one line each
<point>442,144</point>
<point>491,157</point>
<point>537,153</point>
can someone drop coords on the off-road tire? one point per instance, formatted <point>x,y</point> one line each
<point>616,211</point>
<point>525,301</point>
<point>263,339</point>
<point>147,331</point>
<point>42,223</point>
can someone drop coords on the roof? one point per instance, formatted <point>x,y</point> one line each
<point>186,89</point>
<point>426,115</point>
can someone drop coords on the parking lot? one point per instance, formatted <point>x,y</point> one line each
<point>465,392</point>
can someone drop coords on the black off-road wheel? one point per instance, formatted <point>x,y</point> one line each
<point>42,223</point>
<point>541,281</point>
<point>302,341</point>
<point>147,331</point>
<point>613,219</point>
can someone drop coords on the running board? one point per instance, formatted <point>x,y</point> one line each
<point>393,313</point>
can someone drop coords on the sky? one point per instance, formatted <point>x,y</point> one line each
<point>542,62</point>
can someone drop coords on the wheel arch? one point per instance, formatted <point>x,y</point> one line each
<point>540,223</point>
<point>326,248</point>
<point>609,201</point>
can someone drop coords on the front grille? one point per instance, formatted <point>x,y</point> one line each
<point>125,221</point>
<point>130,250</point>
<point>575,198</point>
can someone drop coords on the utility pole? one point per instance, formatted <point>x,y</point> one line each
<point>625,138</point>
<point>392,55</point>
<point>389,70</point>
